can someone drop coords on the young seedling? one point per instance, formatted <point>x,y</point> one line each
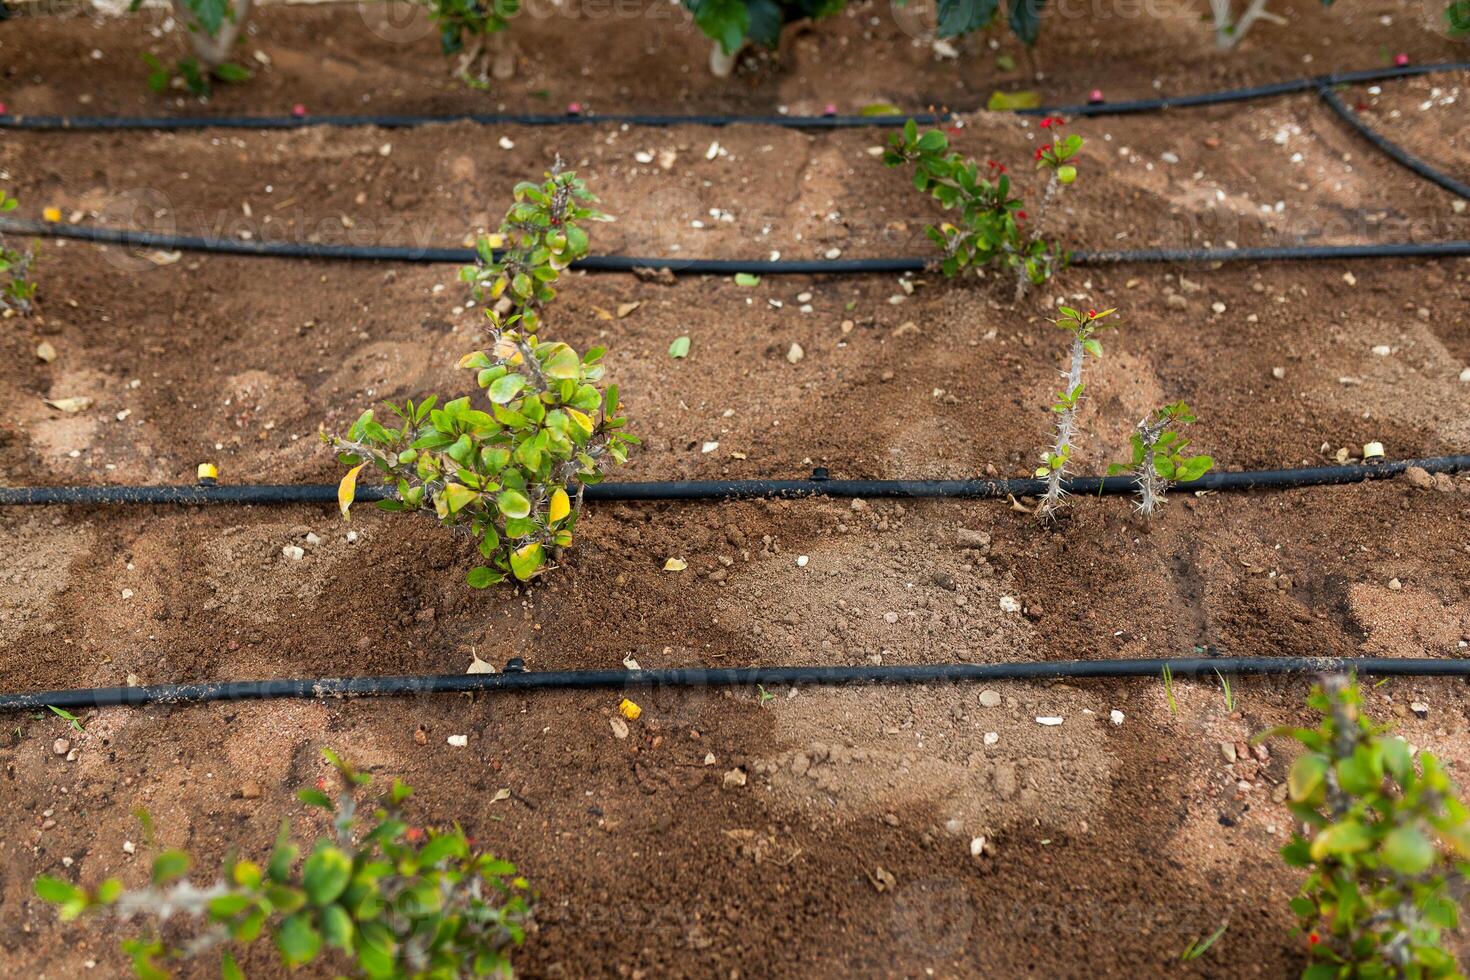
<point>1168,676</point>
<point>1200,947</point>
<point>66,716</point>
<point>988,229</point>
<point>18,289</point>
<point>213,26</point>
<point>1081,326</point>
<point>517,267</point>
<point>763,697</point>
<point>512,475</point>
<point>394,900</point>
<point>1158,456</point>
<point>489,54</point>
<point>1229,694</point>
<point>1382,836</point>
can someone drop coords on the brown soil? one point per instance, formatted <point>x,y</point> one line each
<point>1113,847</point>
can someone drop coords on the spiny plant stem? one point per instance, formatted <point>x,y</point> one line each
<point>1065,425</point>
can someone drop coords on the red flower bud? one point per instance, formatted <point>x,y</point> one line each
<point>1092,314</point>
<point>1020,215</point>
<point>1313,939</point>
<point>1040,150</point>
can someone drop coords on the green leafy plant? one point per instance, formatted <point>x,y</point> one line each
<point>513,475</point>
<point>17,289</point>
<point>1158,459</point>
<point>518,267</point>
<point>212,26</point>
<point>1383,839</point>
<point>1082,327</point>
<point>394,900</point>
<point>731,24</point>
<point>66,716</point>
<point>472,29</point>
<point>988,227</point>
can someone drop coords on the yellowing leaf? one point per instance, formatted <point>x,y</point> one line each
<point>525,561</point>
<point>457,497</point>
<point>561,504</point>
<point>583,420</point>
<point>564,365</point>
<point>675,565</point>
<point>70,405</point>
<point>347,490</point>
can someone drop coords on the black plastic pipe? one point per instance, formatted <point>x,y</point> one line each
<point>1391,149</point>
<point>819,485</point>
<point>718,267</point>
<point>400,121</point>
<point>563,680</point>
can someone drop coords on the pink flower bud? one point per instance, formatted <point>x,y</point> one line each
<point>574,108</point>
<point>298,110</point>
<point>830,109</point>
<point>1401,61</point>
<point>1095,96</point>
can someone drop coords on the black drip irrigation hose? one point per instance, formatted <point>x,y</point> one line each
<point>622,680</point>
<point>818,485</point>
<point>402,121</point>
<point>713,267</point>
<point>1391,149</point>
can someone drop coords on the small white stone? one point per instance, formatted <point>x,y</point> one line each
<point>801,561</point>
<point>293,552</point>
<point>1218,306</point>
<point>1382,350</point>
<point>127,593</point>
<point>734,778</point>
<point>1278,373</point>
<point>709,447</point>
<point>1050,721</point>
<point>129,847</point>
<point>709,758</point>
<point>619,728</point>
<point>351,537</point>
<point>795,354</point>
<point>1115,716</point>
<point>977,846</point>
<point>506,144</point>
<point>1009,604</point>
<point>989,698</point>
<point>458,741</point>
<point>1465,375</point>
<point>312,540</point>
<point>833,253</point>
<point>643,156</point>
<point>992,737</point>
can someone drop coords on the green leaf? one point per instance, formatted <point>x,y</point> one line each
<point>680,347</point>
<point>230,905</point>
<point>170,865</point>
<point>1011,101</point>
<point>1407,851</point>
<point>482,577</point>
<point>1025,18</point>
<point>56,891</point>
<point>315,797</point>
<point>506,388</point>
<point>525,561</point>
<point>228,968</point>
<point>1347,837</point>
<point>564,364</point>
<point>1307,774</point>
<point>957,17</point>
<point>458,497</point>
<point>298,942</point>
<point>325,874</point>
<point>513,503</point>
<point>337,927</point>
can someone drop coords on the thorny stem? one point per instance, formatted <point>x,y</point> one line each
<point>213,51</point>
<point>1065,425</point>
<point>1023,278</point>
<point>1151,486</point>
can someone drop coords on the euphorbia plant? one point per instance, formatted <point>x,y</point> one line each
<point>18,289</point>
<point>1082,327</point>
<point>1158,456</point>
<point>394,900</point>
<point>513,472</point>
<point>1383,838</point>
<point>989,224</point>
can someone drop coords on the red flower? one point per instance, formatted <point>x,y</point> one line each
<point>1040,150</point>
<point>414,834</point>
<point>1051,121</point>
<point>1020,215</point>
<point>1313,939</point>
<point>1092,314</point>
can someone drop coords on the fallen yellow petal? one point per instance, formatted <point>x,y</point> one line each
<point>51,214</point>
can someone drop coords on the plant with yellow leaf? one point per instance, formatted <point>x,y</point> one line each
<point>514,471</point>
<point>518,267</point>
<point>514,474</point>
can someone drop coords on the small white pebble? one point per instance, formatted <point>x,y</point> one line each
<point>293,552</point>
<point>992,737</point>
<point>127,593</point>
<point>458,741</point>
<point>1009,604</point>
<point>1048,720</point>
<point>1115,716</point>
<point>506,144</point>
<point>801,561</point>
<point>129,847</point>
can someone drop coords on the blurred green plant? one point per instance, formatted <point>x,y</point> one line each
<point>1384,838</point>
<point>18,289</point>
<point>395,900</point>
